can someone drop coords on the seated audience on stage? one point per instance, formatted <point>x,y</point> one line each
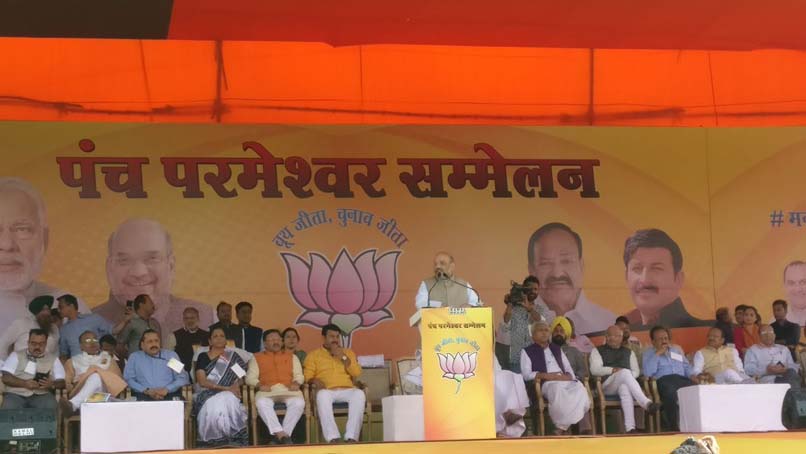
<point>719,363</point>
<point>723,322</point>
<point>92,371</point>
<point>77,324</point>
<point>220,415</point>
<point>511,403</point>
<point>250,336</point>
<point>580,342</point>
<point>110,345</point>
<point>149,374</point>
<point>568,401</point>
<point>747,334</point>
<point>140,322</point>
<point>15,337</point>
<point>190,337</point>
<point>561,329</point>
<point>224,314</point>
<point>331,370</point>
<point>786,332</point>
<point>618,367</point>
<point>630,341</point>
<point>667,363</point>
<point>277,376</point>
<point>770,361</point>
<point>291,343</point>
<point>32,374</point>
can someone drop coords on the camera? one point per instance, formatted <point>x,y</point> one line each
<point>517,293</point>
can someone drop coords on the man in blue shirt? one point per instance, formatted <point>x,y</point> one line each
<point>668,365</point>
<point>76,325</point>
<point>153,373</point>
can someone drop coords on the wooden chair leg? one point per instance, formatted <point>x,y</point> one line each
<point>603,419</point>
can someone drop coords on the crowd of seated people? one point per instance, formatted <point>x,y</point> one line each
<point>86,355</point>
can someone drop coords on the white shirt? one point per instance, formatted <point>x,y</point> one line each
<point>10,366</point>
<point>421,300</point>
<point>699,362</point>
<point>759,356</point>
<point>551,364</point>
<point>598,368</point>
<point>587,316</point>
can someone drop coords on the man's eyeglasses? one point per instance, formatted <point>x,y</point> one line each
<point>90,341</point>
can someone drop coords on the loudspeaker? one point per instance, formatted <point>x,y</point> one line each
<point>28,431</point>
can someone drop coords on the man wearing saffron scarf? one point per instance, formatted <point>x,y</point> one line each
<point>277,375</point>
<point>90,372</point>
<point>568,400</point>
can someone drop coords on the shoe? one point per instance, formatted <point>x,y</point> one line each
<point>287,441</point>
<point>653,407</point>
<point>632,431</point>
<point>336,441</point>
<point>350,440</point>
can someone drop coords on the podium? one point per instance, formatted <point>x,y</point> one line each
<point>458,373</point>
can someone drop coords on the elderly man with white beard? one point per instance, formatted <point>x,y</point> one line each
<point>568,400</point>
<point>140,260</point>
<point>23,242</point>
<point>92,371</point>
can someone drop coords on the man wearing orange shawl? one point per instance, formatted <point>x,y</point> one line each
<point>90,372</point>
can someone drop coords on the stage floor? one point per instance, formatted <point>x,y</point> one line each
<point>778,443</point>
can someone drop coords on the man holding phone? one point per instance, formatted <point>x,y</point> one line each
<point>31,375</point>
<point>770,361</point>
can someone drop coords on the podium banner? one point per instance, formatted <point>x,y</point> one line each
<point>458,373</point>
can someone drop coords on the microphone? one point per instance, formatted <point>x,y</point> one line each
<point>439,276</point>
<point>467,287</point>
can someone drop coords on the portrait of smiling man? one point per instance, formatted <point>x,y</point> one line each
<point>23,242</point>
<point>140,260</point>
<point>654,274</point>
<point>554,255</point>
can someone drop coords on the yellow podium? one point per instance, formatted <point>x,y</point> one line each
<point>458,373</point>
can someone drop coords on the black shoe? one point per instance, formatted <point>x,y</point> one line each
<point>632,431</point>
<point>66,408</point>
<point>350,440</point>
<point>287,441</point>
<point>653,407</point>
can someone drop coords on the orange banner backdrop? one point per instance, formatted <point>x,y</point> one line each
<point>314,83</point>
<point>339,242</point>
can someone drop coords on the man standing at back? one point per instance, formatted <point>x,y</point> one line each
<point>190,337</point>
<point>76,325</point>
<point>250,335</point>
<point>786,332</point>
<point>554,256</point>
<point>141,322</point>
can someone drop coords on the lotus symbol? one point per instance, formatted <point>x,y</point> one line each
<point>352,293</point>
<point>459,367</point>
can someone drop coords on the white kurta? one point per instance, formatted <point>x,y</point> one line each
<point>568,400</point>
<point>510,396</point>
<point>729,376</point>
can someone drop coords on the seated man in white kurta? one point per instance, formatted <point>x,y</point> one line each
<point>568,400</point>
<point>92,371</point>
<point>719,363</point>
<point>511,402</point>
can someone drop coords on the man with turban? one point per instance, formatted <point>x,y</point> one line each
<point>561,330</point>
<point>15,338</point>
<point>567,398</point>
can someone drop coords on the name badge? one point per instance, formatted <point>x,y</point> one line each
<point>238,370</point>
<point>677,356</point>
<point>176,365</point>
<point>30,368</point>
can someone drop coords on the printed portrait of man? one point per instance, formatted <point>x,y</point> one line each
<point>654,273</point>
<point>140,260</point>
<point>24,239</point>
<point>795,289</point>
<point>554,256</point>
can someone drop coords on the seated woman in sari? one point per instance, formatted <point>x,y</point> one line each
<point>218,410</point>
<point>748,332</point>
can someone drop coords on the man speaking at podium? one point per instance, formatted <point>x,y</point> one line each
<point>444,289</point>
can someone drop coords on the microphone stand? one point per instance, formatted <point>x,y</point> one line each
<point>428,296</point>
